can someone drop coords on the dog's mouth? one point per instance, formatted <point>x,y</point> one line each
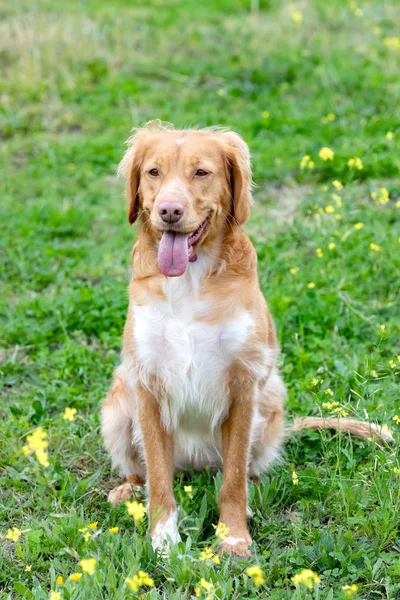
<point>177,249</point>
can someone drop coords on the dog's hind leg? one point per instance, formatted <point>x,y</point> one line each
<point>117,431</point>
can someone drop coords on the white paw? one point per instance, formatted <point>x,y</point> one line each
<point>166,532</point>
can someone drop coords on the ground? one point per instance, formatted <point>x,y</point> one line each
<point>292,79</point>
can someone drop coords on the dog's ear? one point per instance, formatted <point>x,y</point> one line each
<point>129,169</point>
<point>239,171</point>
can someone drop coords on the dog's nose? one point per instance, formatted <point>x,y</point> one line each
<point>171,212</point>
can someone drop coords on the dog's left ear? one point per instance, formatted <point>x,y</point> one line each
<point>239,172</point>
<point>129,169</point>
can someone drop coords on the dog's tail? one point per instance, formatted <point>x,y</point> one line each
<point>358,428</point>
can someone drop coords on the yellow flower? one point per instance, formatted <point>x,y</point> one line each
<point>329,209</point>
<point>382,197</point>
<point>297,16</point>
<point>28,568</point>
<point>382,327</point>
<point>376,30</point>
<point>307,577</point>
<point>337,185</point>
<point>392,42</point>
<point>331,246</point>
<point>93,525</point>
<point>42,457</point>
<point>398,204</point>
<point>113,529</point>
<point>75,577</point>
<point>336,198</point>
<point>329,117</point>
<point>293,270</point>
<point>389,135</point>
<point>25,450</point>
<point>69,414</point>
<point>355,162</point>
<point>326,153</point>
<point>13,534</point>
<point>319,252</point>
<point>145,579</point>
<point>295,478</point>
<point>188,489</point>
<point>55,596</point>
<point>311,285</point>
<point>221,531</point>
<point>88,565</point>
<point>329,405</point>
<point>340,411</point>
<point>392,364</point>
<point>60,579</point>
<point>396,419</point>
<point>136,510</point>
<point>314,381</point>
<point>325,188</point>
<point>396,470</point>
<point>358,226</point>
<point>265,114</point>
<point>37,439</point>
<point>306,162</point>
<point>207,554</point>
<point>329,392</point>
<point>375,247</point>
<point>257,575</point>
<point>350,590</point>
<point>207,585</point>
<point>338,217</point>
<point>87,536</point>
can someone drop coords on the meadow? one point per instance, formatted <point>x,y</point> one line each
<point>314,88</point>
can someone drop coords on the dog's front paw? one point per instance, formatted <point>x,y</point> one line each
<point>166,532</point>
<point>235,546</point>
<point>124,492</point>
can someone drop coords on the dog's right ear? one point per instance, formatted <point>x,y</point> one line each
<point>129,169</point>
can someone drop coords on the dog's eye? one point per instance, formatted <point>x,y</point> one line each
<point>154,172</point>
<point>201,173</point>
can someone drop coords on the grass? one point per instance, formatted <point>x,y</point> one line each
<point>76,77</point>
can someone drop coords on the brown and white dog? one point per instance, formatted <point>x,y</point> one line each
<point>198,383</point>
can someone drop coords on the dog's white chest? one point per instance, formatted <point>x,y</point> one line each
<point>188,355</point>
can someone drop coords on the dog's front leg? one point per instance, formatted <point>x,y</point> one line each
<point>159,454</point>
<point>236,431</point>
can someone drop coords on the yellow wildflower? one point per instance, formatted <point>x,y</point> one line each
<point>136,510</point>
<point>55,596</point>
<point>13,534</point>
<point>207,585</point>
<point>382,197</point>
<point>207,554</point>
<point>396,419</point>
<point>311,285</point>
<point>374,373</point>
<point>350,590</point>
<point>297,16</point>
<point>37,439</point>
<point>392,42</point>
<point>221,531</point>
<point>306,577</point>
<point>338,217</point>
<point>319,252</point>
<point>392,364</point>
<point>28,568</point>
<point>398,204</point>
<point>396,470</point>
<point>314,381</point>
<point>256,573</point>
<point>75,577</point>
<point>329,405</point>
<point>382,327</point>
<point>375,247</point>
<point>329,209</point>
<point>113,529</point>
<point>69,414</point>
<point>295,478</point>
<point>326,153</point>
<point>389,135</point>
<point>293,270</point>
<point>336,198</point>
<point>355,162</point>
<point>376,30</point>
<point>189,490</point>
<point>145,579</point>
<point>340,411</point>
<point>331,246</point>
<point>306,162</point>
<point>329,392</point>
<point>88,565</point>
<point>328,118</point>
<point>93,525</point>
<point>60,580</point>
<point>265,114</point>
<point>87,536</point>
<point>42,457</point>
<point>358,226</point>
<point>325,188</point>
<point>25,450</point>
<point>337,185</point>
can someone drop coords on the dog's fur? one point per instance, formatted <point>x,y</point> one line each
<point>198,382</point>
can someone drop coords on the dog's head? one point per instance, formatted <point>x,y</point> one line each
<point>187,185</point>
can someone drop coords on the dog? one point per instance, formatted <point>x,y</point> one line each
<point>198,383</point>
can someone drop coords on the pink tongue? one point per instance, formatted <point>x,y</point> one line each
<point>173,254</point>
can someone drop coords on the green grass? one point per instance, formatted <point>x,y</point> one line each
<point>76,76</point>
